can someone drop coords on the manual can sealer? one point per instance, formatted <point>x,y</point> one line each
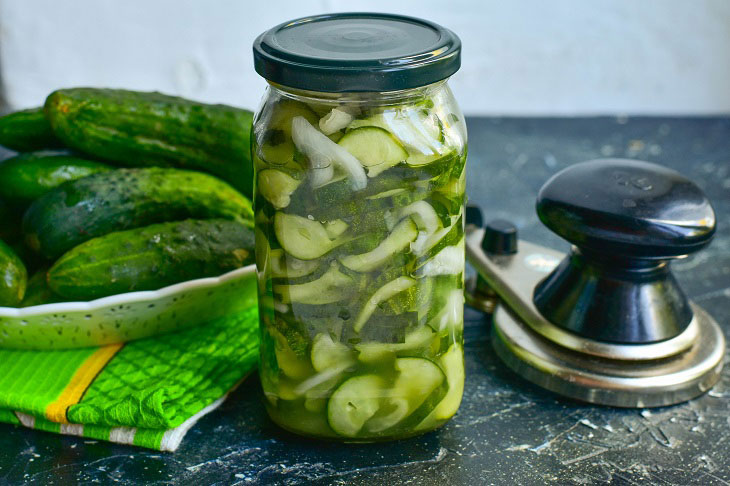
<point>607,323</point>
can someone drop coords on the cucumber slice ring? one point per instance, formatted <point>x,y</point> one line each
<point>301,237</point>
<point>423,384</point>
<point>453,364</point>
<point>418,389</point>
<point>328,354</point>
<point>354,402</point>
<point>399,411</point>
<point>375,148</point>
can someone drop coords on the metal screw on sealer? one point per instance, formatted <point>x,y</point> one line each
<point>500,238</point>
<point>608,323</point>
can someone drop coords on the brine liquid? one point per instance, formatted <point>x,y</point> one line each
<point>360,288</point>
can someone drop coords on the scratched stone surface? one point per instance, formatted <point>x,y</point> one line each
<point>507,431</point>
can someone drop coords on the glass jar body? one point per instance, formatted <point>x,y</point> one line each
<point>359,203</point>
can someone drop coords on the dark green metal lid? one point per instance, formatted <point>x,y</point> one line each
<point>348,52</point>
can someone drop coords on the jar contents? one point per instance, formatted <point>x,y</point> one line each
<point>359,205</point>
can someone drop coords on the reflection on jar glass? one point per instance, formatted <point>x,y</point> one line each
<point>359,202</point>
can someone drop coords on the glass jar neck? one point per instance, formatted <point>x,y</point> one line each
<point>365,97</point>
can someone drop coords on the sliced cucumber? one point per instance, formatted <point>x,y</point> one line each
<point>340,191</point>
<point>327,353</point>
<point>427,247</point>
<point>452,362</point>
<point>364,243</point>
<point>445,206</point>
<point>429,125</point>
<point>290,363</point>
<point>398,240</point>
<point>354,402</point>
<point>293,331</point>
<point>454,188</point>
<point>285,390</point>
<point>286,266</point>
<point>277,187</point>
<point>336,200</point>
<point>451,314</point>
<point>373,352</point>
<point>301,237</point>
<point>262,252</point>
<point>434,164</point>
<point>335,228</point>
<point>440,290</point>
<point>389,193</point>
<point>449,261</point>
<point>419,131</point>
<point>419,387</point>
<point>414,299</point>
<point>458,169</point>
<point>383,293</point>
<point>315,398</point>
<point>331,287</point>
<point>423,215</point>
<point>392,411</point>
<point>375,148</point>
<point>384,328</point>
<point>276,146</point>
<point>323,379</point>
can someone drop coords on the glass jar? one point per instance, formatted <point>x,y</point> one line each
<point>359,202</point>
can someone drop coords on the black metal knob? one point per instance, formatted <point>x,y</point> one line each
<point>474,216</point>
<point>626,219</point>
<point>500,238</point>
<point>627,207</point>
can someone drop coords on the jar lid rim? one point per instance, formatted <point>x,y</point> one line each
<point>348,52</point>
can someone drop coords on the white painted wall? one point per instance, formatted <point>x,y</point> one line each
<point>520,57</point>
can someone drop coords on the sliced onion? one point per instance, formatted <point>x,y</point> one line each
<point>334,121</point>
<point>423,214</point>
<point>323,153</point>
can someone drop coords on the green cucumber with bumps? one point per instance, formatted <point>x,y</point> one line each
<point>123,199</point>
<point>28,176</point>
<point>13,277</point>
<point>152,257</point>
<point>38,292</point>
<point>152,129</point>
<point>10,218</point>
<point>27,130</point>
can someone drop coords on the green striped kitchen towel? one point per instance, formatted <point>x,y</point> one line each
<point>147,393</point>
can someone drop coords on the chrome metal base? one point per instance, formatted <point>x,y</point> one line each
<point>614,382</point>
<point>623,375</point>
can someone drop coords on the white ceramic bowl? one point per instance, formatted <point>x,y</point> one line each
<point>124,317</point>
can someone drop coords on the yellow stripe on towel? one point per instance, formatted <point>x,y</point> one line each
<point>80,382</point>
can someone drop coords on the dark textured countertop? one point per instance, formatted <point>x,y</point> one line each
<point>507,431</point>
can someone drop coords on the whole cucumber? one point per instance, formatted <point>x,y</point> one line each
<point>151,129</point>
<point>152,257</point>
<point>28,176</point>
<point>27,130</point>
<point>9,222</point>
<point>13,277</point>
<point>31,259</point>
<point>121,199</point>
<point>38,292</point>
